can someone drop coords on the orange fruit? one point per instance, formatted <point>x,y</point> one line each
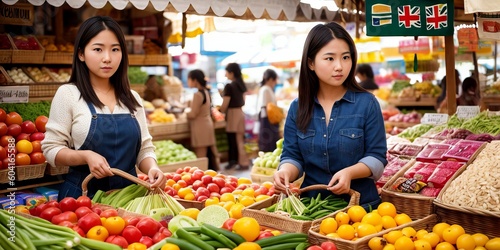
<point>190,212</point>
<point>409,232</point>
<point>444,246</point>
<point>422,245</point>
<point>248,246</point>
<point>346,232</point>
<point>420,234</point>
<point>356,213</point>
<point>114,225</point>
<point>247,227</point>
<point>247,200</point>
<point>365,229</point>
<point>227,205</point>
<point>328,225</point>
<point>402,219</point>
<point>452,233</point>
<point>267,184</point>
<point>248,192</point>
<point>480,239</point>
<point>99,233</point>
<point>24,146</point>
<point>235,211</point>
<point>439,229</point>
<point>433,238</point>
<point>227,197</point>
<point>342,218</point>
<point>376,243</point>
<point>170,246</point>
<point>388,222</point>
<point>386,208</point>
<point>392,236</point>
<point>466,242</point>
<point>389,247</point>
<point>372,219</point>
<point>404,243</point>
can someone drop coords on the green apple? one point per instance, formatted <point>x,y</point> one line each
<point>159,213</point>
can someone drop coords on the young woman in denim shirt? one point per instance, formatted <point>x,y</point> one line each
<point>334,131</point>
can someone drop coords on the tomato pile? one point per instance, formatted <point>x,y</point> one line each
<point>20,141</point>
<point>100,223</point>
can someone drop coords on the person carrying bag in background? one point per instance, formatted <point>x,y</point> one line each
<point>268,127</point>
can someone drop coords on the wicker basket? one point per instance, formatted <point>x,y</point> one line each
<point>6,54</point>
<point>5,74</point>
<point>201,163</point>
<point>157,59</point>
<point>51,170</point>
<point>4,176</point>
<point>58,57</point>
<point>316,238</point>
<point>28,56</point>
<point>160,129</point>
<point>28,172</point>
<point>191,204</point>
<point>281,222</point>
<point>415,205</point>
<point>43,90</point>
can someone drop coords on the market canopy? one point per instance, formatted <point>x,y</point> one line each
<point>291,10</point>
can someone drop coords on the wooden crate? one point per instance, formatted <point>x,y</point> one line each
<point>6,54</point>
<point>6,75</point>
<point>58,57</point>
<point>136,59</point>
<point>201,163</point>
<point>28,56</point>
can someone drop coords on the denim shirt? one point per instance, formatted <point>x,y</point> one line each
<point>355,133</point>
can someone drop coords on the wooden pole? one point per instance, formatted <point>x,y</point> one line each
<point>451,87</point>
<point>356,19</point>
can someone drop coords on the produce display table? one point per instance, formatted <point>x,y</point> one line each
<point>491,102</point>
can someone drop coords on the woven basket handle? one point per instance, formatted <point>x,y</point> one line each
<point>116,172</point>
<point>354,194</point>
<point>313,187</point>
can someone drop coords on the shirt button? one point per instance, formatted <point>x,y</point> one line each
<point>323,118</point>
<point>331,119</point>
<point>324,153</point>
<point>324,135</point>
<point>352,135</point>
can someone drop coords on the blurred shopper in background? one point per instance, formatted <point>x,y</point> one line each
<point>200,120</point>
<point>364,73</point>
<point>469,93</point>
<point>268,133</point>
<point>232,103</point>
<point>442,100</point>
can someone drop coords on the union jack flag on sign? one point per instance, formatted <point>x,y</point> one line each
<point>436,16</point>
<point>409,16</point>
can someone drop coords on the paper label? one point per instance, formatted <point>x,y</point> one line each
<point>14,94</point>
<point>467,112</point>
<point>434,119</point>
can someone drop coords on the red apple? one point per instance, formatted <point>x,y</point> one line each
<point>176,177</point>
<point>225,190</point>
<point>255,186</point>
<point>198,174</point>
<point>28,127</point>
<point>214,194</point>
<point>37,136</point>
<point>201,198</point>
<point>219,181</point>
<point>202,191</point>
<point>14,130</point>
<point>169,175</point>
<point>242,187</point>
<point>213,188</point>
<point>261,190</point>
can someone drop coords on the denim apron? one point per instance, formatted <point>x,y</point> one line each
<point>117,137</point>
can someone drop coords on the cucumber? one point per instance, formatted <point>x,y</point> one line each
<point>182,244</point>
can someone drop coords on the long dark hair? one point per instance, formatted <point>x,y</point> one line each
<point>268,75</point>
<point>238,78</point>
<point>80,72</point>
<point>318,37</point>
<point>199,76</point>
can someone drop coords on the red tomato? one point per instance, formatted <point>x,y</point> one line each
<point>65,216</point>
<point>84,201</point>
<point>14,129</point>
<point>40,122</point>
<point>37,146</point>
<point>53,204</point>
<point>146,241</point>
<point>109,213</point>
<point>78,230</point>
<point>314,248</point>
<point>3,115</point>
<point>132,221</point>
<point>228,224</point>
<point>50,212</point>
<point>7,140</point>
<point>22,159</point>
<point>265,234</point>
<point>37,158</point>
<point>37,136</point>
<point>148,226</point>
<point>13,118</point>
<point>88,221</point>
<point>82,211</point>
<point>68,204</point>
<point>28,127</point>
<point>132,234</point>
<point>3,128</point>
<point>158,237</point>
<point>65,223</point>
<point>327,245</point>
<point>118,240</point>
<point>3,153</point>
<point>164,230</point>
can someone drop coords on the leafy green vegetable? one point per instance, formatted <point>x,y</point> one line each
<point>137,76</point>
<point>28,111</point>
<point>416,131</point>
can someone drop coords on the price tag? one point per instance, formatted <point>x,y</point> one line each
<point>434,119</point>
<point>467,112</point>
<point>14,94</point>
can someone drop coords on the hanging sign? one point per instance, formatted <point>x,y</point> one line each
<point>14,94</point>
<point>488,26</point>
<point>467,40</point>
<point>409,18</point>
<point>17,14</point>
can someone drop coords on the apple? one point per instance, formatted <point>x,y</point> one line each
<point>3,114</point>
<point>206,179</point>
<point>255,186</point>
<point>214,194</point>
<point>28,127</point>
<point>219,181</point>
<point>176,177</point>
<point>170,191</point>
<point>201,198</point>
<point>242,187</point>
<point>261,190</point>
<point>226,190</point>
<point>37,136</point>
<point>213,188</point>
<point>202,191</point>
<point>14,129</point>
<point>179,171</point>
<point>169,176</point>
<point>197,174</point>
